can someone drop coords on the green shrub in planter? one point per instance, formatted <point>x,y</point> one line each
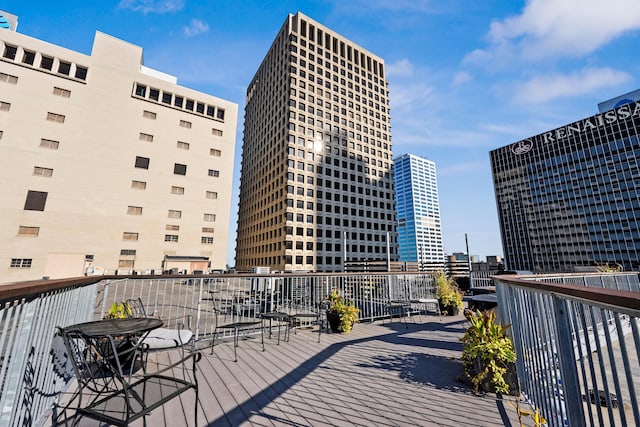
<point>488,354</point>
<point>449,296</point>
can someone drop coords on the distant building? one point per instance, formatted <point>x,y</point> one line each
<point>106,165</point>
<point>628,98</point>
<point>316,189</point>
<point>418,212</point>
<point>457,265</point>
<point>569,197</point>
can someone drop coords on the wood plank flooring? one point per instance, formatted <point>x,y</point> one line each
<point>380,374</point>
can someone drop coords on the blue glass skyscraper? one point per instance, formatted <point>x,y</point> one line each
<point>418,211</point>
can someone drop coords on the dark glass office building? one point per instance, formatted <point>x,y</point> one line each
<point>570,197</point>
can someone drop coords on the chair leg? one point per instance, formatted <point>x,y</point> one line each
<point>235,345</point>
<point>213,342</point>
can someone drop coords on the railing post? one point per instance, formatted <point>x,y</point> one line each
<point>571,394</point>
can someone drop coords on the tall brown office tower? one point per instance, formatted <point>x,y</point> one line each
<point>316,189</point>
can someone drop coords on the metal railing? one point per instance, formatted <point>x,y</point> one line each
<point>577,344</point>
<point>34,372</point>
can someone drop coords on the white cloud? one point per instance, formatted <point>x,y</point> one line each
<point>195,27</point>
<point>461,168</point>
<point>545,88</point>
<point>552,28</point>
<point>415,96</point>
<point>152,6</point>
<point>461,78</point>
<point>400,68</point>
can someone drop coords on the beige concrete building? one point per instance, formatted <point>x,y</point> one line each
<point>106,165</point>
<point>316,186</point>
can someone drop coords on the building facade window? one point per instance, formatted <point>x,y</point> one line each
<point>179,169</point>
<point>214,173</point>
<point>46,63</point>
<point>209,217</point>
<point>149,115</point>
<point>64,68</point>
<point>49,143</point>
<point>127,252</point>
<point>145,137</point>
<point>206,240</point>
<point>8,78</point>
<point>183,145</point>
<point>138,185</point>
<point>215,152</point>
<point>177,190</point>
<point>21,262</point>
<point>65,93</point>
<point>126,263</point>
<point>5,106</point>
<point>185,124</point>
<point>174,214</point>
<point>134,210</point>
<point>142,162</point>
<point>128,235</point>
<point>39,171</point>
<point>81,72</point>
<point>29,57</point>
<point>212,194</point>
<point>170,237</point>
<point>24,230</point>
<point>10,52</point>
<point>216,132</point>
<point>53,117</point>
<point>36,201</point>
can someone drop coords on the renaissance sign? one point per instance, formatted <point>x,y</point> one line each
<point>581,126</point>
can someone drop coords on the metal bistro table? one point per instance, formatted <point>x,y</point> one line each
<point>104,355</point>
<point>279,317</point>
<point>118,340</point>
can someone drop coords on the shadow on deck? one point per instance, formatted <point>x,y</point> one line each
<point>380,374</point>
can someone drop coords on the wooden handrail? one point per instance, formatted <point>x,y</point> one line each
<point>613,297</point>
<point>32,289</point>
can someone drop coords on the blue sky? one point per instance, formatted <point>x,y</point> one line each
<point>466,76</point>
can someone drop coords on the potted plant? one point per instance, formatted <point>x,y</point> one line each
<point>449,296</point>
<point>341,314</point>
<point>124,346</point>
<point>488,355</point>
<point>119,310</point>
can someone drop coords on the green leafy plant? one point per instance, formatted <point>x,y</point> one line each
<point>119,310</point>
<point>449,296</point>
<point>487,352</point>
<point>345,310</point>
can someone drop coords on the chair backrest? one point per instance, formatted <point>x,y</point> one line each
<point>95,362</point>
<point>137,307</point>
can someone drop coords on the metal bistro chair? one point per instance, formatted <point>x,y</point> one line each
<point>236,325</point>
<point>401,308</point>
<point>162,338</point>
<point>316,315</point>
<point>108,389</point>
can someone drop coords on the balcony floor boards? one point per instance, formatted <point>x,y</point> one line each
<point>380,374</point>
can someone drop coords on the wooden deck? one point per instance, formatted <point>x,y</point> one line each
<point>380,374</point>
